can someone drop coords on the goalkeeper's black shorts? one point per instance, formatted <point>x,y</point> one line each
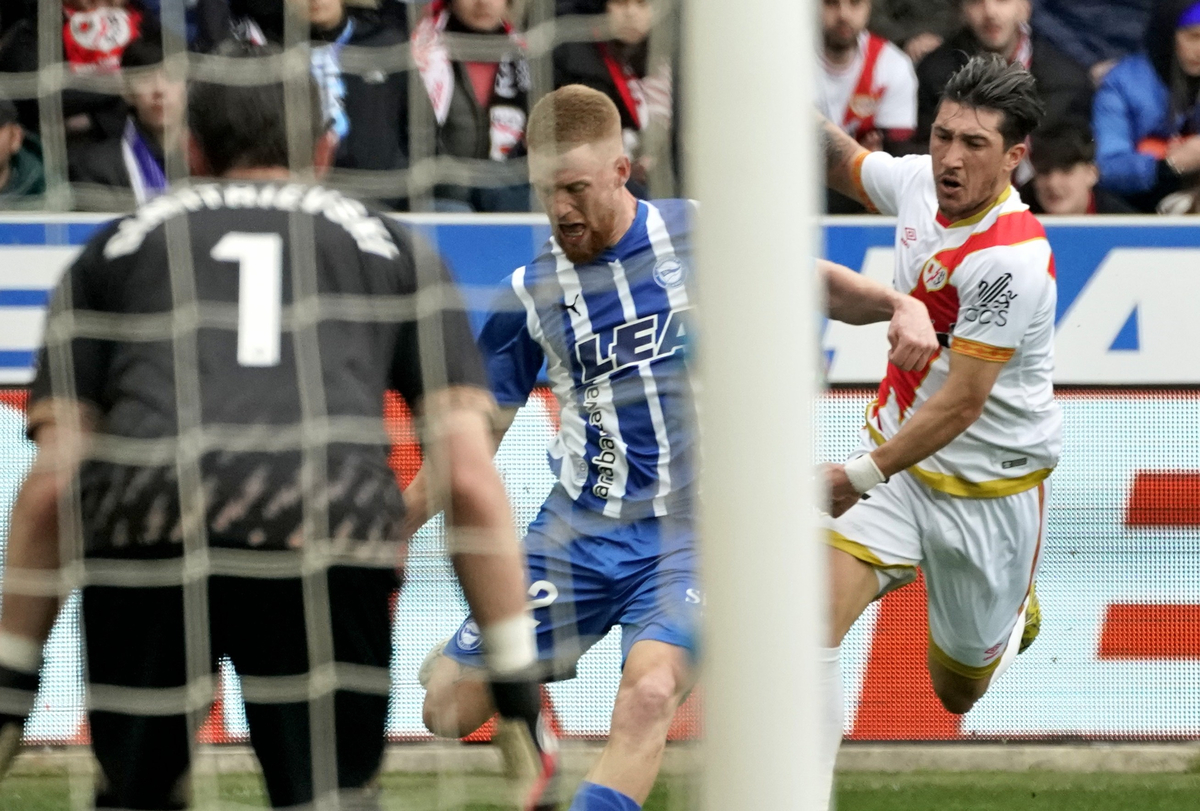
<point>135,639</point>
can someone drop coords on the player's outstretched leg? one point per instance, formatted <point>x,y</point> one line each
<point>654,681</point>
<point>853,585</point>
<point>459,699</point>
<point>959,693</point>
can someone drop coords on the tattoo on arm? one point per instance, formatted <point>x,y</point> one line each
<point>837,146</point>
<point>840,152</point>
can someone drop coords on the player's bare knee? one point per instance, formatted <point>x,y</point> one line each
<point>958,697</point>
<point>956,702</point>
<point>456,700</point>
<point>646,700</point>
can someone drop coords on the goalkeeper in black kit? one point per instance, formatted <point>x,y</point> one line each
<point>208,415</point>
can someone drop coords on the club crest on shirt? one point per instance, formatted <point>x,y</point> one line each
<point>668,272</point>
<point>934,275</point>
<point>864,105</point>
<point>468,636</point>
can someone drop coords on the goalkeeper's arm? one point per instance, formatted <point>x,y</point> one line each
<point>30,599</point>
<point>490,566</point>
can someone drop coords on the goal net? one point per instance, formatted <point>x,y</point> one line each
<point>418,772</point>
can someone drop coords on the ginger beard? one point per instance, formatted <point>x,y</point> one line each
<point>583,190</point>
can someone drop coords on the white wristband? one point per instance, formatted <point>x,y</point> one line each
<point>509,645</point>
<point>863,473</point>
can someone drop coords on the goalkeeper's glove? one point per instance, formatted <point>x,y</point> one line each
<point>527,743</point>
<point>17,693</point>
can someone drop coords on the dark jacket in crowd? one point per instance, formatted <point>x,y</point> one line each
<point>1064,86</point>
<point>583,63</point>
<point>1142,104</point>
<point>101,164</point>
<point>214,20</point>
<point>1091,31</point>
<point>26,177</point>
<point>901,20</point>
<point>376,105</point>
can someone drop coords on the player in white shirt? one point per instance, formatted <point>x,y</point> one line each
<point>866,85</point>
<point>955,455</point>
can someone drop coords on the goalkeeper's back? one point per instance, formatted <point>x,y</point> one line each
<point>305,307</point>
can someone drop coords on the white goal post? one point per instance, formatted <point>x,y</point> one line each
<point>752,162</point>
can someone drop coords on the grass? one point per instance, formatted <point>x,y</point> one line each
<point>51,791</point>
<point>1019,791</point>
<point>935,791</point>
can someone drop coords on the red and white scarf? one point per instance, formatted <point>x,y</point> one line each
<point>1023,51</point>
<point>93,41</point>
<point>437,70</point>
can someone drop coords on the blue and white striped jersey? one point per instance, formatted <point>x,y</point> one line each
<point>614,335</point>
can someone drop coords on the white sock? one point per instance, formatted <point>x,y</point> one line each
<point>509,645</point>
<point>830,733</point>
<point>20,653</point>
<point>1012,648</point>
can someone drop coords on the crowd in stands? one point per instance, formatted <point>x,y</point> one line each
<point>1120,80</point>
<point>120,118</point>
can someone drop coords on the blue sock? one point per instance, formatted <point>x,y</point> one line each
<point>594,797</point>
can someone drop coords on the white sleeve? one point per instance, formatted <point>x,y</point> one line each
<point>883,178</point>
<point>898,107</point>
<point>1000,291</point>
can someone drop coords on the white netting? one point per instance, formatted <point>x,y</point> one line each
<point>430,607</point>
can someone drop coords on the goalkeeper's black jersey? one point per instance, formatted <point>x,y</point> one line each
<point>236,341</point>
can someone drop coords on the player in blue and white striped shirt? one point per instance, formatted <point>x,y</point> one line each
<point>605,307</point>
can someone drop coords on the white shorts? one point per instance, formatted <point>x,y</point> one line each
<point>979,557</point>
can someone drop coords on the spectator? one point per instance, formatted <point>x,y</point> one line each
<point>257,21</point>
<point>1002,27</point>
<point>1095,33</point>
<point>21,172</point>
<point>866,85</point>
<point>95,33</point>
<point>1065,174</point>
<point>369,109</point>
<point>479,107</point>
<point>135,160</point>
<point>1146,117</point>
<point>917,26</point>
<point>621,68</point>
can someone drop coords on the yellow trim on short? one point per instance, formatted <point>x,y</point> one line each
<point>955,666</point>
<point>994,488</point>
<point>955,486</point>
<point>982,351</point>
<point>856,550</point>
<point>976,219</point>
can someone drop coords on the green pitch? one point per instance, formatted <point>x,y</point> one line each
<point>985,791</point>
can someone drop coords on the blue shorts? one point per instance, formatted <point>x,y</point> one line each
<point>589,573</point>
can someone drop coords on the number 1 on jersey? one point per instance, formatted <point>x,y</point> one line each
<point>260,293</point>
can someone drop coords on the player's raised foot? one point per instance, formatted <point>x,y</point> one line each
<point>527,744</point>
<point>1033,621</point>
